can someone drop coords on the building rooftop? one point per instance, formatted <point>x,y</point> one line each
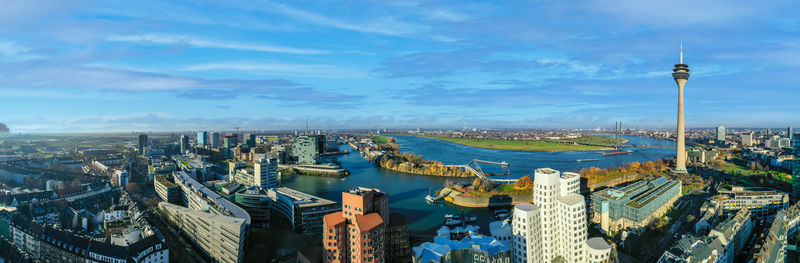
<point>500,228</point>
<point>526,207</point>
<point>441,245</point>
<point>236,211</point>
<point>303,199</point>
<point>334,218</point>
<point>369,221</point>
<point>598,243</point>
<point>571,199</point>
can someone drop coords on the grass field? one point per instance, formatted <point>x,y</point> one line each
<point>598,140</point>
<point>518,145</point>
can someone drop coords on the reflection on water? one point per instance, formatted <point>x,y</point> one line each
<point>407,192</point>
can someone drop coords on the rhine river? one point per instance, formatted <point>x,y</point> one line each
<point>407,192</point>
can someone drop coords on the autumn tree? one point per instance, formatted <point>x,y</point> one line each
<point>524,182</point>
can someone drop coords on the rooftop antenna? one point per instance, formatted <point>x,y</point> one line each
<point>681,51</point>
<point>306,127</point>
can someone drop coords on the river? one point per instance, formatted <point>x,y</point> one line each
<point>407,192</point>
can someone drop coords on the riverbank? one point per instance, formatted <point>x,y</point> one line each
<point>389,157</point>
<point>500,195</point>
<point>314,170</point>
<point>524,145</point>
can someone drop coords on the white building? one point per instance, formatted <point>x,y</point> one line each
<point>721,133</point>
<point>554,226</point>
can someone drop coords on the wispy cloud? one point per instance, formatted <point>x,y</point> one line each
<point>14,52</point>
<point>380,25</point>
<point>209,43</point>
<point>310,70</point>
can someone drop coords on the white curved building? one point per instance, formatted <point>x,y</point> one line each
<point>597,250</point>
<point>554,226</point>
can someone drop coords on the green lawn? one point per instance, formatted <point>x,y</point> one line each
<point>515,145</point>
<point>596,140</point>
<point>381,139</point>
<point>505,187</point>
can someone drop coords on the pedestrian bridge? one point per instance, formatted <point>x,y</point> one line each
<point>475,168</point>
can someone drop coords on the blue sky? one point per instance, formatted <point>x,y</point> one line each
<point>168,66</point>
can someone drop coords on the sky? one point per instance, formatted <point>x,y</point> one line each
<point>78,66</point>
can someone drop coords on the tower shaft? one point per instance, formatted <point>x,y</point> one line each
<point>680,154</point>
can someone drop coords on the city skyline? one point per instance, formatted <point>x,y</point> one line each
<point>106,66</point>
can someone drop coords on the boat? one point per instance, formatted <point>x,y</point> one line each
<point>587,160</point>
<point>452,222</point>
<point>617,153</point>
<point>501,214</point>
<point>470,219</point>
<point>430,199</point>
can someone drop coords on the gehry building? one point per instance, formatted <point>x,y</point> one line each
<point>553,227</point>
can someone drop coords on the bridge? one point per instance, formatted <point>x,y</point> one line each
<point>475,168</point>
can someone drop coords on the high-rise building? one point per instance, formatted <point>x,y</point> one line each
<point>789,132</point>
<point>747,139</point>
<point>214,139</point>
<point>142,143</point>
<point>358,233</point>
<point>264,174</point>
<point>202,137</point>
<point>720,134</point>
<point>554,226</point>
<point>184,144</point>
<point>681,74</point>
<point>796,169</point>
<point>250,140</point>
<point>305,148</point>
<point>229,142</point>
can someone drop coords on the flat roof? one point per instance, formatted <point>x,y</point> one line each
<point>597,243</point>
<point>303,199</point>
<point>209,194</point>
<point>527,207</point>
<point>571,199</point>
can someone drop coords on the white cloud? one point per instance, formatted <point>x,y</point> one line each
<point>383,25</point>
<point>14,52</point>
<point>209,43</point>
<point>285,69</point>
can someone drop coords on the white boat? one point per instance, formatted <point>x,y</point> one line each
<point>452,222</point>
<point>430,199</point>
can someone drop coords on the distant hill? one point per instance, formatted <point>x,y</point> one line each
<point>3,128</point>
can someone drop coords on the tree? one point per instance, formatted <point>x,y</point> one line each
<point>524,182</point>
<point>476,183</point>
<point>132,188</point>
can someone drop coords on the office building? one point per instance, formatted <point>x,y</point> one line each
<point>789,133</point>
<point>250,140</point>
<point>796,169</point>
<point>635,205</point>
<point>304,211</point>
<point>306,149</point>
<point>777,143</point>
<point>215,140</point>
<point>475,248</point>
<point>167,189</point>
<point>763,202</point>
<point>143,143</point>
<point>184,141</point>
<point>216,225</point>
<point>263,174</point>
<point>221,237</point>
<point>681,74</point>
<point>720,134</point>
<point>747,139</point>
<point>202,138</point>
<point>229,143</point>
<point>398,245</point>
<point>554,226</point>
<point>121,177</point>
<point>358,233</point>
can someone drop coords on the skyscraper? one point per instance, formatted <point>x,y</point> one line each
<point>229,142</point>
<point>266,173</point>
<point>202,137</point>
<point>789,132</point>
<point>681,74</point>
<point>720,133</point>
<point>142,143</point>
<point>214,140</point>
<point>554,226</point>
<point>184,143</point>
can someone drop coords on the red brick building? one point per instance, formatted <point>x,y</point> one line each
<point>357,233</point>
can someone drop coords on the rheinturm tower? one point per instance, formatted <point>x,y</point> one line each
<point>681,74</point>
